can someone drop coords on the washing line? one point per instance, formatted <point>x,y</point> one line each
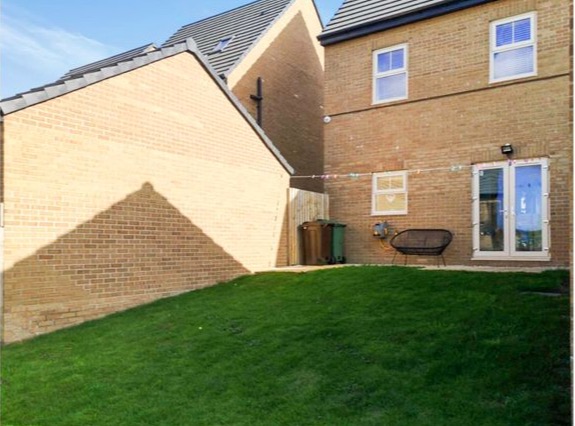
<point>455,168</point>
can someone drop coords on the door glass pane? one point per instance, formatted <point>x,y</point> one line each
<point>491,210</point>
<point>528,208</point>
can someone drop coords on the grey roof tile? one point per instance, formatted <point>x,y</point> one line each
<point>53,91</point>
<point>112,60</point>
<point>35,97</point>
<point>92,74</point>
<point>353,15</point>
<point>246,24</point>
<point>354,12</point>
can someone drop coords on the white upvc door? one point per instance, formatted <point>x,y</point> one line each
<point>511,210</point>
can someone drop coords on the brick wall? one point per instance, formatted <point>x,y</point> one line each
<point>142,186</point>
<point>292,73</point>
<point>453,116</point>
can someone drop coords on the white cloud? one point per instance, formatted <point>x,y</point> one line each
<point>34,54</point>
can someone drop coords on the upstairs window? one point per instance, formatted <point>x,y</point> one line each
<point>222,44</point>
<point>390,74</point>
<point>389,193</point>
<point>513,48</point>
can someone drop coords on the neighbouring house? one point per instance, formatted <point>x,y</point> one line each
<point>159,170</point>
<point>455,115</point>
<point>138,177</point>
<point>268,54</point>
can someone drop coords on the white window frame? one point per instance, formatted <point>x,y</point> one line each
<point>510,252</point>
<point>378,75</point>
<point>493,49</point>
<point>375,192</point>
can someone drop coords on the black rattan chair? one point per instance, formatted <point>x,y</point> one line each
<point>421,242</point>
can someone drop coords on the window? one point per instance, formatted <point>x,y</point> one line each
<point>389,193</point>
<point>511,210</point>
<point>390,74</point>
<point>513,48</point>
<point>222,44</point>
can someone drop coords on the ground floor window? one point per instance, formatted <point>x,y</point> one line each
<point>389,193</point>
<point>511,210</point>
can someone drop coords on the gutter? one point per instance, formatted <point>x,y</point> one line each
<point>336,36</point>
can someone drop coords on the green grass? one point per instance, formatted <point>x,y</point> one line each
<point>349,346</point>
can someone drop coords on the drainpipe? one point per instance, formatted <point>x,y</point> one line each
<point>259,98</point>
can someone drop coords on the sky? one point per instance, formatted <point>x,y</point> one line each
<point>40,40</point>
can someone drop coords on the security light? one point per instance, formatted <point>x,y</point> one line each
<point>507,149</point>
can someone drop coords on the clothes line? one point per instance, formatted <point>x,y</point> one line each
<point>455,168</point>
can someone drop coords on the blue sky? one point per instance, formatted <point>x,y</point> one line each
<point>40,40</point>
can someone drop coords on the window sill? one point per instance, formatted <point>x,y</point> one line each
<point>512,78</point>
<point>388,101</point>
<point>389,214</point>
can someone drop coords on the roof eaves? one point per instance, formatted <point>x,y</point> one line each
<point>336,36</point>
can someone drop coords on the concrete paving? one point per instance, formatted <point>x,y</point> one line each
<point>309,268</point>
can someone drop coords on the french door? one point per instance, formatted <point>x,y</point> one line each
<point>511,210</point>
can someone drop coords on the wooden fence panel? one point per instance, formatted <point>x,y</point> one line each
<point>303,206</point>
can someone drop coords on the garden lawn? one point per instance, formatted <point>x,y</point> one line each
<point>346,346</point>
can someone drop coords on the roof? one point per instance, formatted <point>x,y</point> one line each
<point>95,66</point>
<point>126,63</point>
<point>75,80</point>
<point>356,18</point>
<point>246,24</point>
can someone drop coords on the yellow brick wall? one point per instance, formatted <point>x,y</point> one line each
<point>142,186</point>
<point>290,62</point>
<point>453,116</point>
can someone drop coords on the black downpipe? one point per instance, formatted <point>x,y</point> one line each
<point>259,98</point>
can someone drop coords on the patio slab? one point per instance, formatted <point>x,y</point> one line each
<point>309,268</point>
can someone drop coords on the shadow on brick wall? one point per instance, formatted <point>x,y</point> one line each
<point>140,249</point>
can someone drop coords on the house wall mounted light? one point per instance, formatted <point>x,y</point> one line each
<point>507,149</point>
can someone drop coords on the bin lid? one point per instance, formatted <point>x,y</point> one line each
<point>313,224</point>
<point>331,222</point>
<point>323,222</point>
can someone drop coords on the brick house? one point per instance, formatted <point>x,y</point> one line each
<point>121,187</point>
<point>268,54</point>
<point>423,96</point>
